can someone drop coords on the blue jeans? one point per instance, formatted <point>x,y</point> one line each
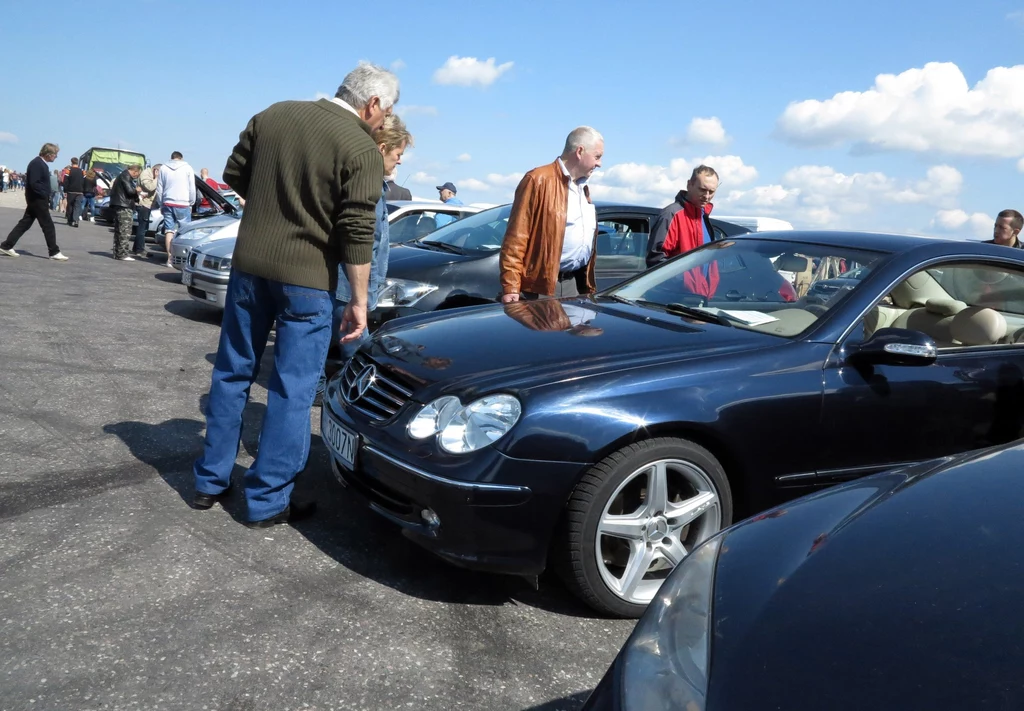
<point>55,199</point>
<point>347,349</point>
<point>89,204</point>
<point>303,318</point>
<point>175,217</point>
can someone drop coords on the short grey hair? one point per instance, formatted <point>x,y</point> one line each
<point>584,136</point>
<point>367,81</point>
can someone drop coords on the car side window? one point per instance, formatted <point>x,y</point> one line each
<point>958,305</point>
<point>412,226</point>
<point>622,243</point>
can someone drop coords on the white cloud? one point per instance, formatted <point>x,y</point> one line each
<point>1020,165</point>
<point>920,110</point>
<point>473,184</point>
<point>423,178</point>
<point>470,71</point>
<point>821,196</point>
<point>8,137</point>
<point>397,65</point>
<point>321,95</point>
<point>510,180</point>
<point>978,224</point>
<point>464,158</point>
<point>415,110</point>
<point>706,130</point>
<point>656,184</point>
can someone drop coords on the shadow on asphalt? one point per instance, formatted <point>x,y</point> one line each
<point>193,311</point>
<point>343,527</point>
<point>566,703</point>
<point>168,277</point>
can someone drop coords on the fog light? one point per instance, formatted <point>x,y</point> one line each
<point>430,518</point>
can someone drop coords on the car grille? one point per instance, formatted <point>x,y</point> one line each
<point>178,261</point>
<point>365,389</point>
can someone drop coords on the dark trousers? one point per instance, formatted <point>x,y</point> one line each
<point>74,209</point>
<point>566,285</point>
<point>37,209</point>
<point>144,214</point>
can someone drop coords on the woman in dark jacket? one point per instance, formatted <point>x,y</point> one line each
<point>89,193</point>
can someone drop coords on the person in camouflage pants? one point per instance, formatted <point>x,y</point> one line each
<point>123,196</point>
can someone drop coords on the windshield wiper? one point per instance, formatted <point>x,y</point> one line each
<point>443,246</point>
<point>621,299</point>
<point>700,314</point>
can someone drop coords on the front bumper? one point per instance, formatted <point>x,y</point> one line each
<point>204,287</point>
<point>495,514</point>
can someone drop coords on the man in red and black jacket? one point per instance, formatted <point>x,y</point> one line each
<point>686,225</point>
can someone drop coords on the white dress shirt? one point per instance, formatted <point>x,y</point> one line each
<point>580,225</point>
<point>344,104</point>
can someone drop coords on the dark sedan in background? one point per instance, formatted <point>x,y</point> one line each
<point>458,264</point>
<point>606,437</point>
<point>899,591</point>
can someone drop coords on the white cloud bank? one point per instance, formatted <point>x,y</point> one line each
<point>8,137</point>
<point>470,71</point>
<point>657,184</point>
<point>931,109</point>
<point>957,221</point>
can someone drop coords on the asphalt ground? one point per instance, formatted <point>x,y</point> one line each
<point>114,594</point>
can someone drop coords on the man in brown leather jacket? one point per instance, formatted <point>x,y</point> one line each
<point>550,241</point>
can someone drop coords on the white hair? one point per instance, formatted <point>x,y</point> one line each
<point>367,81</point>
<point>584,136</point>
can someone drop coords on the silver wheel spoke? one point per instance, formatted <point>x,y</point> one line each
<point>640,558</point>
<point>628,527</point>
<point>674,551</point>
<point>657,489</point>
<point>680,515</point>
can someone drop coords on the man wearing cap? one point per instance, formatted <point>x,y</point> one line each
<point>447,192</point>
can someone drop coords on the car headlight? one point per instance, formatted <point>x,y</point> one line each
<point>402,292</point>
<point>665,661</point>
<point>434,417</point>
<point>464,429</point>
<point>225,264</point>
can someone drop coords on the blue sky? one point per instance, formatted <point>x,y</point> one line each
<point>784,94</point>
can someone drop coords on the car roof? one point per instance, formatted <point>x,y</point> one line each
<point>872,241</point>
<point>429,204</point>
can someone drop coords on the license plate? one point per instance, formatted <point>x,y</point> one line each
<point>341,441</point>
<point>186,278</point>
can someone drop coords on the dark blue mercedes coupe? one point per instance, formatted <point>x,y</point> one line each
<point>606,437</point>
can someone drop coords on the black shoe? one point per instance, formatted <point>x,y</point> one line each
<point>76,224</point>
<point>204,501</point>
<point>296,511</point>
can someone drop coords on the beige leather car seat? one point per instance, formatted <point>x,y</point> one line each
<point>978,326</point>
<point>801,267</point>
<point>935,318</point>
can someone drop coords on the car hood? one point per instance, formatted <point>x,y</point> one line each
<point>216,221</point>
<point>529,343</point>
<point>228,230</point>
<point>218,248</point>
<point>904,586</point>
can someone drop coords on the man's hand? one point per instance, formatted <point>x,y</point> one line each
<point>509,298</point>
<point>353,322</point>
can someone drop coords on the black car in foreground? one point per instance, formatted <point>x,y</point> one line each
<point>897,591</point>
<point>458,264</point>
<point>606,437</point>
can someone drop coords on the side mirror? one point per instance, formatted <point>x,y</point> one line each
<point>893,346</point>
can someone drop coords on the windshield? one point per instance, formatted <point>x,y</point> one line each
<point>479,233</point>
<point>751,283</point>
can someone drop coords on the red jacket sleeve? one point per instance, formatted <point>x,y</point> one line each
<point>674,237</point>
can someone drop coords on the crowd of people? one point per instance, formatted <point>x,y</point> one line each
<point>10,180</point>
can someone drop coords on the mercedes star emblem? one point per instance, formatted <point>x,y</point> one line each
<point>358,387</point>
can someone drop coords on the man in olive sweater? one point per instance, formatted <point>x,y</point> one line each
<point>310,175</point>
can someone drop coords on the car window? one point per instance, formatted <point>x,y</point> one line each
<point>412,225</point>
<point>958,305</point>
<point>763,285</point>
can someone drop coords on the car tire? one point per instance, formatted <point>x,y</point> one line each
<point>611,524</point>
